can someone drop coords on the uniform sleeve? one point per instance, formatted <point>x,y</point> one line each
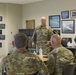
<point>34,36</point>
<point>51,64</point>
<point>50,32</point>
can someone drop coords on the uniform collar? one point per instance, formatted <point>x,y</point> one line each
<point>20,51</point>
<point>42,26</point>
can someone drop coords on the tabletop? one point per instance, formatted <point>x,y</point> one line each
<point>44,58</point>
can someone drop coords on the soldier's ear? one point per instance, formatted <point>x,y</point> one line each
<point>13,43</point>
<point>52,42</point>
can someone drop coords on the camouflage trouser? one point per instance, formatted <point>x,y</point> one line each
<point>45,49</point>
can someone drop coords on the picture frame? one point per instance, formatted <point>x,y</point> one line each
<point>2,37</point>
<point>68,26</point>
<point>65,14</point>
<point>54,21</point>
<point>2,26</point>
<point>0,18</point>
<point>0,44</point>
<point>0,31</point>
<point>56,31</point>
<point>73,13</point>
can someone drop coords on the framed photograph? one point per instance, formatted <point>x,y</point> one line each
<point>0,18</point>
<point>55,31</point>
<point>68,26</point>
<point>65,14</point>
<point>2,26</point>
<point>54,21</point>
<point>2,37</point>
<point>0,44</point>
<point>0,31</point>
<point>73,13</point>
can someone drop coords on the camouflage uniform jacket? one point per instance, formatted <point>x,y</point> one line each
<point>41,36</point>
<point>59,57</point>
<point>23,63</point>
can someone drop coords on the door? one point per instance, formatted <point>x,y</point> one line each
<point>30,24</point>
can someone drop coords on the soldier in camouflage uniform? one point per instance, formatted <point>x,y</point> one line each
<point>41,37</point>
<point>22,62</point>
<point>59,57</point>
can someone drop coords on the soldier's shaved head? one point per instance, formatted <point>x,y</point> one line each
<point>55,40</point>
<point>56,37</point>
<point>43,20</point>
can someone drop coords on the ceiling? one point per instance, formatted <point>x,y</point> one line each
<point>19,1</point>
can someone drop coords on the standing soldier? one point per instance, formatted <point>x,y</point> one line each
<point>41,37</point>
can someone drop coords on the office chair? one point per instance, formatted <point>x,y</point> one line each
<point>70,69</point>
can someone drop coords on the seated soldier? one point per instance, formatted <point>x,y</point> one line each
<point>59,57</point>
<point>22,62</point>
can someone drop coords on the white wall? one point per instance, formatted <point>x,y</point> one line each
<point>3,14</point>
<point>47,8</point>
<point>12,18</point>
<point>14,15</point>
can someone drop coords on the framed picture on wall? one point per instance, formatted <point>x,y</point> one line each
<point>2,26</point>
<point>56,31</point>
<point>2,37</point>
<point>0,31</point>
<point>0,44</point>
<point>0,18</point>
<point>73,13</point>
<point>68,26</point>
<point>54,21</point>
<point>65,14</point>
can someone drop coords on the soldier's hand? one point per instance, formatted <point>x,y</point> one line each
<point>33,44</point>
<point>48,43</point>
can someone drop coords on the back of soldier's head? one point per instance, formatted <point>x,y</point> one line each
<point>20,40</point>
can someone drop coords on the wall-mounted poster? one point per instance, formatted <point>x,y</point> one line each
<point>73,13</point>
<point>54,21</point>
<point>2,26</point>
<point>0,31</point>
<point>0,18</point>
<point>68,26</point>
<point>64,14</point>
<point>2,37</point>
<point>56,31</point>
<point>0,44</point>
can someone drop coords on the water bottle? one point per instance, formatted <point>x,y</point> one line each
<point>40,52</point>
<point>34,52</point>
<point>4,71</point>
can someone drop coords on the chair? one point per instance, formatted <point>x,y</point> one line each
<point>70,69</point>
